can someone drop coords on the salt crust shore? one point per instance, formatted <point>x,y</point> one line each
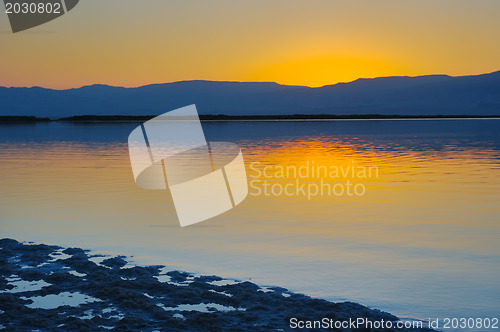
<point>47,288</point>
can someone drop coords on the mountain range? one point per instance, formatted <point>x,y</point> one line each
<point>420,95</point>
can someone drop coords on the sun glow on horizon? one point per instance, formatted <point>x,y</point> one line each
<point>287,42</point>
<point>321,71</point>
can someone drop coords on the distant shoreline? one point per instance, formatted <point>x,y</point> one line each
<point>221,117</point>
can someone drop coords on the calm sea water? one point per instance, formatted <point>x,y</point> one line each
<point>422,241</point>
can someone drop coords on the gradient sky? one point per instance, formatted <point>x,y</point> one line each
<point>314,42</point>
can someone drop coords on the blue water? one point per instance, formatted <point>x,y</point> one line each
<point>421,243</point>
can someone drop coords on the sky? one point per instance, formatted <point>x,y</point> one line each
<point>313,43</point>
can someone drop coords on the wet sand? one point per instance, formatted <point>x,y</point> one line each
<point>46,287</point>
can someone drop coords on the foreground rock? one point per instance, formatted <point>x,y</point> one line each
<point>52,288</point>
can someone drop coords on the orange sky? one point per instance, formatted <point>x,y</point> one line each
<point>315,42</point>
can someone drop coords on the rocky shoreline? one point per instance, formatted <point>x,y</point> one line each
<point>45,288</point>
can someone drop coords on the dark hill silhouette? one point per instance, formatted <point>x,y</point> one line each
<point>421,95</point>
